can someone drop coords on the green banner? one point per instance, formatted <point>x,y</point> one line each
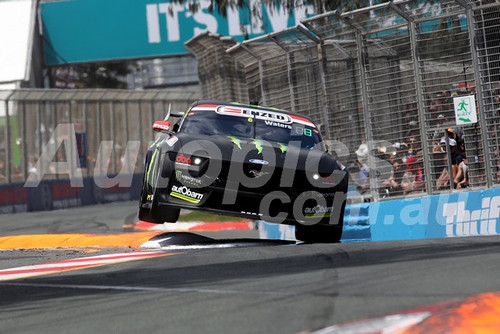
<point>95,30</point>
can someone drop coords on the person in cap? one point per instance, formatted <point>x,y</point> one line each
<point>361,174</point>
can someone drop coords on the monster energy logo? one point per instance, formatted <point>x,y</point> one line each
<point>186,179</point>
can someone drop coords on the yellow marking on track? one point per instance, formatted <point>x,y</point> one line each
<point>133,240</point>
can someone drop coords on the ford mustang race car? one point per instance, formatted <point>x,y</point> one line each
<point>246,161</point>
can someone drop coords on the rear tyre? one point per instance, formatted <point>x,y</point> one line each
<point>168,215</point>
<point>149,210</point>
<point>318,233</point>
<point>144,202</point>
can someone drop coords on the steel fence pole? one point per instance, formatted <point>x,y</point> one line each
<point>321,68</point>
<point>413,33</point>
<point>289,70</point>
<point>56,131</point>
<point>23,143</point>
<point>366,114</point>
<point>361,55</point>
<point>112,126</point>
<point>261,70</point>
<point>99,132</point>
<point>86,143</point>
<point>479,90</point>
<point>7,139</point>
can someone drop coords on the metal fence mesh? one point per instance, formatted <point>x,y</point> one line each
<point>384,83</point>
<point>32,122</point>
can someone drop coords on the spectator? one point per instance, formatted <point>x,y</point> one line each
<point>413,179</point>
<point>32,160</point>
<point>460,151</point>
<point>444,175</point>
<point>412,138</point>
<point>360,169</point>
<point>385,172</point>
<point>461,180</point>
<point>438,133</point>
<point>452,146</point>
<point>2,170</point>
<point>443,179</point>
<point>396,159</point>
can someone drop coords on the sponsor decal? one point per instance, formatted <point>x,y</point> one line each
<point>183,160</point>
<point>318,211</point>
<point>161,126</point>
<point>462,222</point>
<point>278,125</point>
<point>172,140</point>
<point>272,116</point>
<point>259,161</point>
<point>187,179</point>
<point>186,194</point>
<point>259,114</point>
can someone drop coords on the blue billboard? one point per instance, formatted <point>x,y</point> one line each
<point>77,31</point>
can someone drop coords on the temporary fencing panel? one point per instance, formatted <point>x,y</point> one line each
<point>386,82</point>
<point>101,127</point>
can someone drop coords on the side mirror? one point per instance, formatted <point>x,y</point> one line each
<point>161,126</point>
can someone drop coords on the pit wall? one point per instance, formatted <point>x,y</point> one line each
<point>60,194</point>
<point>469,213</point>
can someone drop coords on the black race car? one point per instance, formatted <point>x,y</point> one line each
<point>247,161</point>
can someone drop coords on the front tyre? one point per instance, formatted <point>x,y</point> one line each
<point>149,209</point>
<point>318,233</point>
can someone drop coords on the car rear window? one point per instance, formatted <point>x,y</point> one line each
<point>271,128</point>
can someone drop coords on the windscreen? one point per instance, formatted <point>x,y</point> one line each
<point>243,123</point>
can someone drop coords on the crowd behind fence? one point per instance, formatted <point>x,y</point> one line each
<point>101,126</point>
<point>382,82</point>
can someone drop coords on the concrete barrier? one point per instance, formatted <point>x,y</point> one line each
<point>466,213</point>
<point>59,194</point>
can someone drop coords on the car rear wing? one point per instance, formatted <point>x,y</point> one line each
<point>173,113</point>
<point>177,113</point>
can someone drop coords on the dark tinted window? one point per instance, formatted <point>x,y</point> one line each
<point>213,124</point>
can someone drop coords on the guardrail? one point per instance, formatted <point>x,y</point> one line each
<point>468,213</point>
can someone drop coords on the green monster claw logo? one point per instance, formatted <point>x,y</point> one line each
<point>283,147</point>
<point>151,170</point>
<point>258,145</point>
<point>236,141</point>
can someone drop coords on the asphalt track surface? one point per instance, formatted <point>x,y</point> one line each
<point>234,284</point>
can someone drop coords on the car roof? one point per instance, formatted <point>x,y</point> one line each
<point>237,104</point>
